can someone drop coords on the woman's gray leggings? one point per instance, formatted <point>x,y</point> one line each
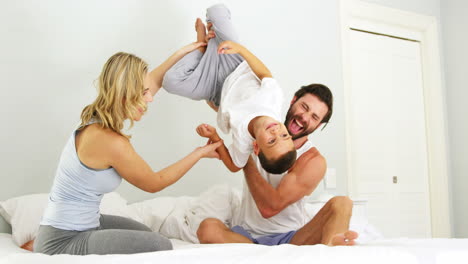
<point>115,235</point>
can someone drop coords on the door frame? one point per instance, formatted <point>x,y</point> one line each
<point>407,25</point>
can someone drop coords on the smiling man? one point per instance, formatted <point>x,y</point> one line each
<point>272,210</point>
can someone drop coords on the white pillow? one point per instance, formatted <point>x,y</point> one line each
<point>154,212</point>
<point>24,213</point>
<point>175,225</point>
<point>114,204</point>
<point>217,202</point>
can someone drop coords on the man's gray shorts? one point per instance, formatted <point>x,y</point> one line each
<point>268,240</point>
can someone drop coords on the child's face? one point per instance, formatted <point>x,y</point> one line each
<point>272,138</point>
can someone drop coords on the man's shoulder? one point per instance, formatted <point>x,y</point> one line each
<point>311,161</point>
<point>312,152</point>
<point>315,155</point>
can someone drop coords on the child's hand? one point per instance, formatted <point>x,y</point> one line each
<point>205,130</point>
<point>229,47</point>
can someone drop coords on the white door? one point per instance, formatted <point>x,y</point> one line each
<point>388,137</point>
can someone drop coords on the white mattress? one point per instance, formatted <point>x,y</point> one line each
<point>395,251</point>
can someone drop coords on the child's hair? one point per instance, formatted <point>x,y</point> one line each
<point>279,165</point>
<point>120,92</point>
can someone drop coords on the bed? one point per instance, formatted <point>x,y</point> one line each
<point>178,218</point>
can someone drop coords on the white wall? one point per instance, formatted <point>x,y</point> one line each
<point>53,50</point>
<point>454,21</point>
<point>425,7</point>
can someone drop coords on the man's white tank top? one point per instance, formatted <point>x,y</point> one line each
<point>248,216</point>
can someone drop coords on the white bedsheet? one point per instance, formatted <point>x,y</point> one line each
<point>395,251</point>
<point>179,217</point>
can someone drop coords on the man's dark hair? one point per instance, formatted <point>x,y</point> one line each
<point>279,165</point>
<point>323,93</point>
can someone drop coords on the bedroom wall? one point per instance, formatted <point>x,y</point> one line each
<point>454,21</point>
<point>52,51</point>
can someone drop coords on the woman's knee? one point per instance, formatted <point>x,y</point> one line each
<point>162,243</point>
<point>208,230</point>
<point>156,242</point>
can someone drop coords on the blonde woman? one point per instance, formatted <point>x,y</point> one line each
<point>96,158</point>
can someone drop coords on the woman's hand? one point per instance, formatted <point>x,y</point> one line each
<point>205,130</point>
<point>229,47</point>
<point>209,150</point>
<point>192,46</point>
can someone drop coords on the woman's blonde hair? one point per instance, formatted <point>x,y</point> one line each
<point>120,88</point>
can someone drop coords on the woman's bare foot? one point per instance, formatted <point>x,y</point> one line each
<point>344,239</point>
<point>28,245</point>
<point>201,33</point>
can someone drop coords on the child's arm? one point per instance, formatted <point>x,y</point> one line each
<point>208,131</point>
<point>157,74</point>
<point>257,66</point>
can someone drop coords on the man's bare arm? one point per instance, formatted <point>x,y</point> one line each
<point>302,179</point>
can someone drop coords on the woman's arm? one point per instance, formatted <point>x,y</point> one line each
<point>257,66</point>
<point>136,171</point>
<point>157,74</point>
<point>210,132</point>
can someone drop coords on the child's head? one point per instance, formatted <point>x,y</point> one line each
<point>274,146</point>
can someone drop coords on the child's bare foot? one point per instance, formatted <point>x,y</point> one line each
<point>201,33</point>
<point>344,239</point>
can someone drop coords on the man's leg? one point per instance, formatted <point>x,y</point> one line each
<point>212,230</point>
<point>330,226</point>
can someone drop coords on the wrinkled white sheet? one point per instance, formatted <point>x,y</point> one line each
<point>394,251</point>
<point>178,218</point>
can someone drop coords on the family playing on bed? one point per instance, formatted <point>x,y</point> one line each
<point>281,166</point>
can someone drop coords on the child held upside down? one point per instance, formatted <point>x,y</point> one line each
<point>241,89</point>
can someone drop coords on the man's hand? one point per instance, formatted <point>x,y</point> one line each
<point>205,130</point>
<point>229,47</point>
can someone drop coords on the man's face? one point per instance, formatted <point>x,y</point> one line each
<point>304,115</point>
